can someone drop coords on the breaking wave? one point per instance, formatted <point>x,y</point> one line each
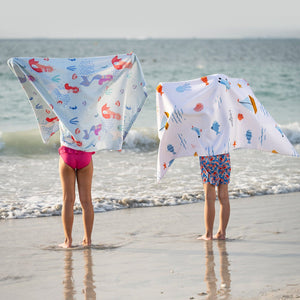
<point>139,139</point>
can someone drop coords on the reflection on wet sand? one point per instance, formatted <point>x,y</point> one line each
<point>210,274</point>
<point>69,290</point>
<point>88,280</point>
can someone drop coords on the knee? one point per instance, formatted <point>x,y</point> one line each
<point>68,199</point>
<point>210,193</point>
<point>223,198</point>
<point>86,204</point>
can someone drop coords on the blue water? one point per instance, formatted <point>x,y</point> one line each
<point>29,183</point>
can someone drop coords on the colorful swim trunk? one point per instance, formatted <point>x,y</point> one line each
<point>215,169</point>
<point>76,159</point>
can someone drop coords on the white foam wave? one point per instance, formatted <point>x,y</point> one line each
<point>105,204</point>
<point>292,131</point>
<point>144,139</point>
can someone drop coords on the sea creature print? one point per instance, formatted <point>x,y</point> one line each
<point>198,107</point>
<point>96,129</point>
<point>215,127</point>
<point>36,66</point>
<point>107,113</point>
<point>205,80</point>
<point>119,64</point>
<point>74,121</point>
<point>249,136</point>
<point>170,163</point>
<point>197,130</point>
<point>38,106</point>
<point>262,135</point>
<point>225,82</point>
<point>183,141</point>
<point>56,78</point>
<point>253,103</point>
<point>71,68</point>
<point>177,115</point>
<point>73,89</point>
<point>183,88</point>
<point>249,103</point>
<point>240,117</point>
<point>170,148</point>
<point>101,79</point>
<point>50,120</point>
<point>78,143</point>
<point>164,123</point>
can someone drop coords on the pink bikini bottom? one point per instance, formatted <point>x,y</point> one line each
<point>76,159</point>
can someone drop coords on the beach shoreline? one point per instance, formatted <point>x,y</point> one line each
<point>153,253</point>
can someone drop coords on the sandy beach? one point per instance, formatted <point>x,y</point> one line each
<point>153,253</point>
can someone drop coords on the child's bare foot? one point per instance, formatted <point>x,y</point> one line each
<point>205,237</point>
<point>86,243</point>
<point>65,245</point>
<point>220,236</point>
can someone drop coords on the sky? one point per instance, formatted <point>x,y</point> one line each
<point>140,19</point>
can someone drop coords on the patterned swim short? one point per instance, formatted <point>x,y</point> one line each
<point>215,169</point>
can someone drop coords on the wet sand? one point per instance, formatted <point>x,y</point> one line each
<point>153,253</point>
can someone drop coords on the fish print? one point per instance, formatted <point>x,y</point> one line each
<point>183,88</point>
<point>215,127</point>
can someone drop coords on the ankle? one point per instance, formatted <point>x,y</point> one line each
<point>86,242</point>
<point>221,235</point>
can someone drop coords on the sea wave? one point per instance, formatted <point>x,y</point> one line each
<point>29,142</point>
<point>139,139</point>
<point>292,131</point>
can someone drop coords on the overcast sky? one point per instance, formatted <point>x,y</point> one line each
<point>149,19</point>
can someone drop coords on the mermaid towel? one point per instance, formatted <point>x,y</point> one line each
<point>213,115</point>
<point>94,101</point>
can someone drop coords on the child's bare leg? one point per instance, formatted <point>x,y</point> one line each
<point>84,181</point>
<point>67,177</point>
<point>209,211</point>
<point>224,211</point>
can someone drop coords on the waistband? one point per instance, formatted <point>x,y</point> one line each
<point>64,149</point>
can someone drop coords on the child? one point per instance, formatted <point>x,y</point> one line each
<point>75,165</point>
<point>215,171</point>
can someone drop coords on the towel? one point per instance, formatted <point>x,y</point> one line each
<point>213,115</point>
<point>93,101</point>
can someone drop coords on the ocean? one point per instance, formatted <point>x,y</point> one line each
<point>29,179</point>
